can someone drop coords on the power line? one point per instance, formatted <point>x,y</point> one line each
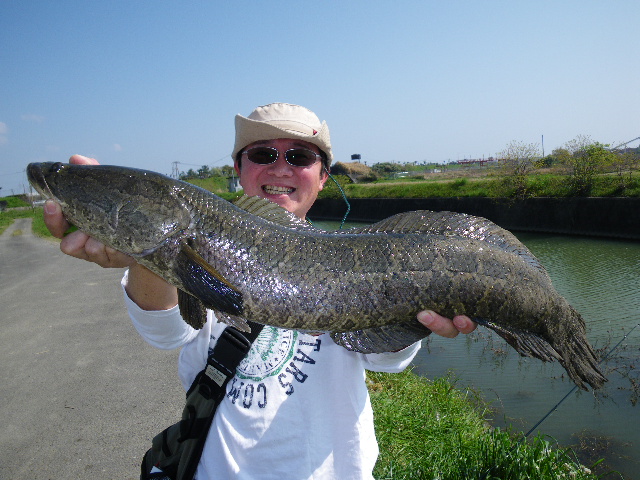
<point>626,143</point>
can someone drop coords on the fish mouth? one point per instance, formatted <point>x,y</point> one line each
<point>36,178</point>
<point>277,190</point>
<point>37,174</point>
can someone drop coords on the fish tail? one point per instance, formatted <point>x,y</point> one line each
<point>573,352</point>
<point>581,362</point>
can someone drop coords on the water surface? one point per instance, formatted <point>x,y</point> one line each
<point>600,279</point>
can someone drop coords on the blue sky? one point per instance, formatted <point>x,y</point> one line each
<point>147,83</point>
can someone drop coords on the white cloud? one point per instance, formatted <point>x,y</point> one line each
<point>32,117</point>
<point>117,147</point>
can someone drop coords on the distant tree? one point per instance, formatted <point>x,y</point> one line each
<point>625,162</point>
<point>544,162</point>
<point>560,155</point>
<point>190,174</point>
<point>386,169</point>
<point>556,157</point>
<point>357,171</point>
<point>204,172</point>
<point>227,170</point>
<point>585,160</point>
<point>518,160</point>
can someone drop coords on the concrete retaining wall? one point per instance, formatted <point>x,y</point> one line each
<point>604,217</point>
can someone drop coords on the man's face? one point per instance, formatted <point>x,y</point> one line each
<point>293,188</point>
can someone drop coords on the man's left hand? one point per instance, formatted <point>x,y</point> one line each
<point>445,327</point>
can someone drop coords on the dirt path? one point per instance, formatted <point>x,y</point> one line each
<point>82,394</point>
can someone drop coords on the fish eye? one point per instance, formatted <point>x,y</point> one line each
<point>56,167</point>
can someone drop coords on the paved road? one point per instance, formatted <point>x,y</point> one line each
<point>81,393</point>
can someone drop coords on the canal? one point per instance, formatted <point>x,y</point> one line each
<point>600,278</point>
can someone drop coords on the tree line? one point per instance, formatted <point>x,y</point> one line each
<point>580,158</point>
<point>205,172</point>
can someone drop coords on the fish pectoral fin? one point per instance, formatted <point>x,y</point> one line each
<point>192,310</point>
<point>203,282</point>
<point>386,338</point>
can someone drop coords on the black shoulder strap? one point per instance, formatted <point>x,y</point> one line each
<point>232,346</point>
<point>176,451</point>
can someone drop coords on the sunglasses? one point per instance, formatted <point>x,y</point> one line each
<point>297,157</point>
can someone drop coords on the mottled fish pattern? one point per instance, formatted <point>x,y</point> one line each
<point>253,260</point>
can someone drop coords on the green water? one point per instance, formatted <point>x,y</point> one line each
<point>600,278</point>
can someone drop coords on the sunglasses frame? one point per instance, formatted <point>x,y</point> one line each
<point>317,155</point>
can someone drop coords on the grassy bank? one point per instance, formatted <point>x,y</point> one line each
<point>536,185</point>
<point>7,217</point>
<point>434,430</point>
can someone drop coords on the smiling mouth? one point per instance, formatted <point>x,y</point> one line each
<point>274,190</point>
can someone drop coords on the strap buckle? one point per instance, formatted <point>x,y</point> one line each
<point>230,349</point>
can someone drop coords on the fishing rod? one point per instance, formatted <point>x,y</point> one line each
<point>555,407</point>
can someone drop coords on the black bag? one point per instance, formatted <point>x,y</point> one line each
<point>176,451</point>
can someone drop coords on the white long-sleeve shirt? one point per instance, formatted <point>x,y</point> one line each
<point>297,408</point>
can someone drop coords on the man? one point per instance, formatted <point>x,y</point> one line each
<point>298,406</point>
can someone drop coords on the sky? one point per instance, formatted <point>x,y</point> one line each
<point>148,83</point>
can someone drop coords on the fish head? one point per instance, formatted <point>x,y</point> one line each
<point>131,210</point>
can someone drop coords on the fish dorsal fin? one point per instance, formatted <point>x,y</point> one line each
<point>266,209</point>
<point>452,224</point>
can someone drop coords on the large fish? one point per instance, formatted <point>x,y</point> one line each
<point>254,261</point>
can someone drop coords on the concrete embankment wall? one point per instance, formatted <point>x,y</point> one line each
<point>603,217</point>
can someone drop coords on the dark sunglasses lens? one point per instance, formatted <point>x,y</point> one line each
<point>301,157</point>
<point>262,156</point>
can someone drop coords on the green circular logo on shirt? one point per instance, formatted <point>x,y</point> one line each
<point>270,352</point>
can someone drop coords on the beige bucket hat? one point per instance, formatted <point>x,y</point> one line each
<point>282,120</point>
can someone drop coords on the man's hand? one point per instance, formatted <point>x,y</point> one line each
<point>445,327</point>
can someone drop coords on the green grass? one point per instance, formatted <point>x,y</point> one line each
<point>434,430</point>
<point>13,202</point>
<point>217,185</point>
<point>7,217</point>
<point>494,186</point>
